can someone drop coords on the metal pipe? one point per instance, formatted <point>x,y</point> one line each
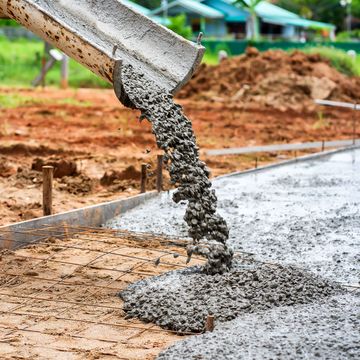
<point>102,35</point>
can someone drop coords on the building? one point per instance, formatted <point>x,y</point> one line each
<point>221,19</point>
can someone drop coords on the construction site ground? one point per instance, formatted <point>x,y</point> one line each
<point>77,279</point>
<point>92,130</point>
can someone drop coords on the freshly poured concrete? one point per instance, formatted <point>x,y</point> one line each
<point>305,214</point>
<point>321,330</point>
<point>175,136</point>
<point>181,300</point>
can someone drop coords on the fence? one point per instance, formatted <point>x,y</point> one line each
<point>237,47</point>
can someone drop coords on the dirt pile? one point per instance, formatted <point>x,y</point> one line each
<point>274,79</point>
<point>62,167</point>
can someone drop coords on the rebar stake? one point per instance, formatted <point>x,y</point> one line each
<point>48,173</point>
<point>159,173</point>
<point>143,178</point>
<point>209,326</point>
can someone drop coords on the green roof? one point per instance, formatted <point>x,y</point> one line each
<point>276,15</point>
<point>195,6</point>
<point>232,13</point>
<point>300,22</point>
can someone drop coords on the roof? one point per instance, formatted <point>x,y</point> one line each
<point>231,12</point>
<point>194,6</point>
<point>276,15</point>
<point>300,22</point>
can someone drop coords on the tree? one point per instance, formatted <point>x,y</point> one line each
<point>178,25</point>
<point>329,11</point>
<point>253,22</point>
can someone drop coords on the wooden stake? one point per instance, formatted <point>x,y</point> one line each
<point>256,163</point>
<point>159,173</point>
<point>64,72</point>
<point>48,173</point>
<point>323,145</point>
<point>354,124</point>
<point>143,178</point>
<point>209,326</point>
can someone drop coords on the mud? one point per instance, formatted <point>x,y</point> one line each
<point>181,300</point>
<point>174,135</point>
<point>323,330</point>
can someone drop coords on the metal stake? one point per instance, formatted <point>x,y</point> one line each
<point>48,173</point>
<point>159,173</point>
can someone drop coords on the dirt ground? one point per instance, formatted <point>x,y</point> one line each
<point>77,280</point>
<point>87,133</point>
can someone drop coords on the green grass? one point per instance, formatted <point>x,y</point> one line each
<point>339,59</point>
<point>20,63</point>
<point>14,100</point>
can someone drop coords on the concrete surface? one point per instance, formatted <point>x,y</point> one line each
<point>327,330</point>
<point>304,214</point>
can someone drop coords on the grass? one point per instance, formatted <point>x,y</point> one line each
<point>13,100</point>
<point>339,59</point>
<point>20,63</point>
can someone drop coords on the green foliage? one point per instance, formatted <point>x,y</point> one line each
<point>178,25</point>
<point>251,5</point>
<point>348,35</point>
<point>8,22</point>
<point>339,59</point>
<point>20,63</point>
<point>329,11</point>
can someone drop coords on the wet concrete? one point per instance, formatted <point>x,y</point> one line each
<point>181,300</point>
<point>305,214</point>
<point>322,330</point>
<point>174,135</point>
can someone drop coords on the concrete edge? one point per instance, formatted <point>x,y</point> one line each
<point>316,156</point>
<point>25,232</point>
<point>22,233</point>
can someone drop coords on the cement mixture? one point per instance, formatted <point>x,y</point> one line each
<point>322,330</point>
<point>175,136</point>
<point>181,300</point>
<point>305,214</point>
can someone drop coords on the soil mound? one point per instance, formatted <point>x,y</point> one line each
<point>274,79</point>
<point>61,167</point>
